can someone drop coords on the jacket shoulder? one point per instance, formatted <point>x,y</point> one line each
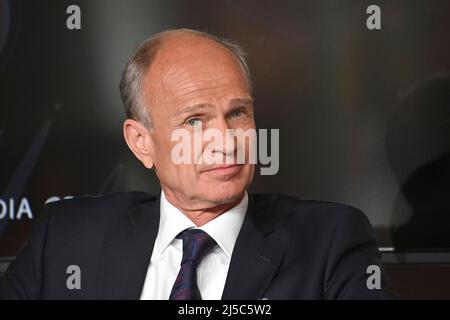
<point>114,203</point>
<point>297,213</point>
<point>89,205</point>
<point>282,204</point>
<point>89,216</point>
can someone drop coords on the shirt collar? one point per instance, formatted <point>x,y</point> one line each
<point>224,229</point>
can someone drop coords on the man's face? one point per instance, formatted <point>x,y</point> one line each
<point>195,82</point>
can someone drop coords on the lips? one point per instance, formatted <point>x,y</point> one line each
<point>224,169</point>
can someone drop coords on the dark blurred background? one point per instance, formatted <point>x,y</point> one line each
<point>364,115</point>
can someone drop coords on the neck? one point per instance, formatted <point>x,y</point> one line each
<point>203,215</point>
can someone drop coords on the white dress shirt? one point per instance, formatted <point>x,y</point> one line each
<point>168,252</point>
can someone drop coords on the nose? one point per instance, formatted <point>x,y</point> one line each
<point>227,142</point>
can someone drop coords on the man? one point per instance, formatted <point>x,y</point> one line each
<point>203,237</point>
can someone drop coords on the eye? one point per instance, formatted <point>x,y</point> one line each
<point>193,122</point>
<point>236,113</point>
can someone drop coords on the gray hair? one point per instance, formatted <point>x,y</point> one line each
<point>130,83</point>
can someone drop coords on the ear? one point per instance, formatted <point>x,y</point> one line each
<point>138,140</point>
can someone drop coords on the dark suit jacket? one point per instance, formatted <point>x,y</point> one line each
<point>286,249</point>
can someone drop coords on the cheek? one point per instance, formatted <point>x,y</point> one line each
<point>249,170</point>
<point>169,169</point>
<point>163,146</point>
<point>184,174</point>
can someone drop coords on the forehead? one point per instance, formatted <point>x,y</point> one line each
<point>191,66</point>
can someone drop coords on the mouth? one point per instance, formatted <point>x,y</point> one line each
<point>224,169</point>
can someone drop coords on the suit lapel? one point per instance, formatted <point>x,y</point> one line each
<point>256,256</point>
<point>127,250</point>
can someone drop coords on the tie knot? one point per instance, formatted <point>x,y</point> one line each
<point>196,243</point>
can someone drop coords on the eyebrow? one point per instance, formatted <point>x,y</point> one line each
<point>247,101</point>
<point>200,106</point>
<point>193,108</point>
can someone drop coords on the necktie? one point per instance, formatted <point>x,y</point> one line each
<point>196,243</point>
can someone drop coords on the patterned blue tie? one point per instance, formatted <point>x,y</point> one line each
<point>196,243</point>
